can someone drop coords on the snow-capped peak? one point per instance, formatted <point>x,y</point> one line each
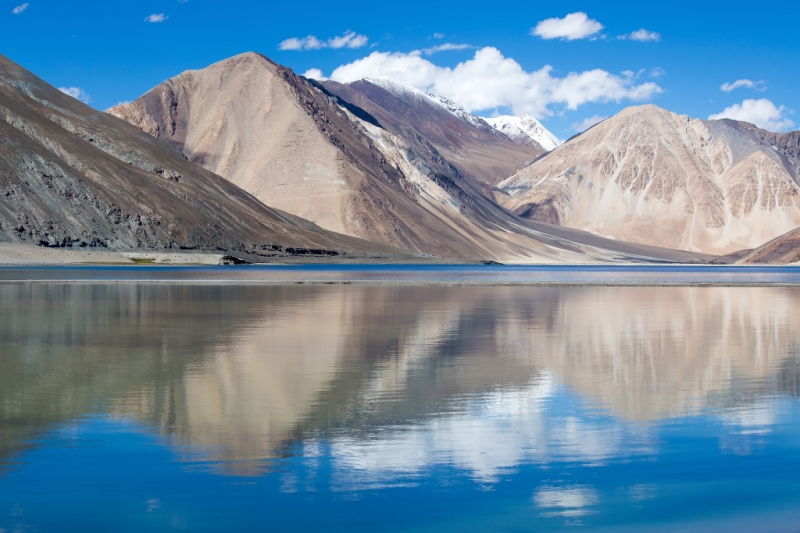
<point>523,129</point>
<point>458,111</point>
<point>396,88</point>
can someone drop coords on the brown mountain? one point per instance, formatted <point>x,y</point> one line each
<point>71,176</point>
<point>781,250</point>
<point>654,177</point>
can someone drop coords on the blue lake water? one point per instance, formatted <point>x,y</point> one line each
<point>234,399</point>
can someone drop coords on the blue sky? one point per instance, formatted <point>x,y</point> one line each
<point>112,53</point>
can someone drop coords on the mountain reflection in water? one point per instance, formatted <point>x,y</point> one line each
<point>390,383</point>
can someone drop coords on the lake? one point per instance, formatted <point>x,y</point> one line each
<point>446,398</point>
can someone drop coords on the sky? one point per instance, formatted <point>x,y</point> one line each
<point>568,63</point>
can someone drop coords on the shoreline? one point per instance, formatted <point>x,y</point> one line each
<point>25,255</point>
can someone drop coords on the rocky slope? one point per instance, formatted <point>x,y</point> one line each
<point>470,143</point>
<point>293,145</point>
<point>781,250</point>
<point>525,130</point>
<point>71,176</point>
<point>654,177</point>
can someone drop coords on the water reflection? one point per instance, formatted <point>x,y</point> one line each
<point>390,382</point>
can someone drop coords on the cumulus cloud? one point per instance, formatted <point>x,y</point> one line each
<point>77,93</point>
<point>314,74</point>
<point>348,39</point>
<point>641,35</point>
<point>762,112</point>
<point>573,26</point>
<point>155,18</point>
<point>759,85</point>
<point>20,8</point>
<point>587,123</point>
<point>489,80</point>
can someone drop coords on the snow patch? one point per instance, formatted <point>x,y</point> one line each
<point>524,128</point>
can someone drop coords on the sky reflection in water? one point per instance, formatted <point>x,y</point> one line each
<point>444,408</point>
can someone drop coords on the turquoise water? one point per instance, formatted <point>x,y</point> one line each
<point>224,402</point>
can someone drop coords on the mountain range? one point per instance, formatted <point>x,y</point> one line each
<point>247,157</point>
<point>71,176</point>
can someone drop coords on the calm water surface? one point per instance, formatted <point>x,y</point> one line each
<point>211,406</point>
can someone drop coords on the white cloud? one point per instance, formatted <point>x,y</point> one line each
<point>573,26</point>
<point>305,43</point>
<point>641,35</point>
<point>77,93</point>
<point>759,85</point>
<point>489,80</point>
<point>587,123</point>
<point>20,8</point>
<point>348,39</point>
<point>445,47</point>
<point>438,35</point>
<point>314,74</point>
<point>762,112</point>
<point>156,17</point>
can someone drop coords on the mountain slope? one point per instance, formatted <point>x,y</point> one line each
<point>650,176</point>
<point>781,250</point>
<point>525,130</point>
<point>293,145</point>
<point>71,176</point>
<point>470,143</point>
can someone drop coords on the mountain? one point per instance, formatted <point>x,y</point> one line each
<point>525,130</point>
<point>71,176</point>
<point>294,145</point>
<point>781,250</point>
<point>470,143</point>
<point>650,176</point>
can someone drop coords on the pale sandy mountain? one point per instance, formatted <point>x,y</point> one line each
<point>71,176</point>
<point>477,149</point>
<point>293,145</point>
<point>650,176</point>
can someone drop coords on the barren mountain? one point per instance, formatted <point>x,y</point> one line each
<point>291,144</point>
<point>781,250</point>
<point>478,150</point>
<point>654,177</point>
<point>71,176</point>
